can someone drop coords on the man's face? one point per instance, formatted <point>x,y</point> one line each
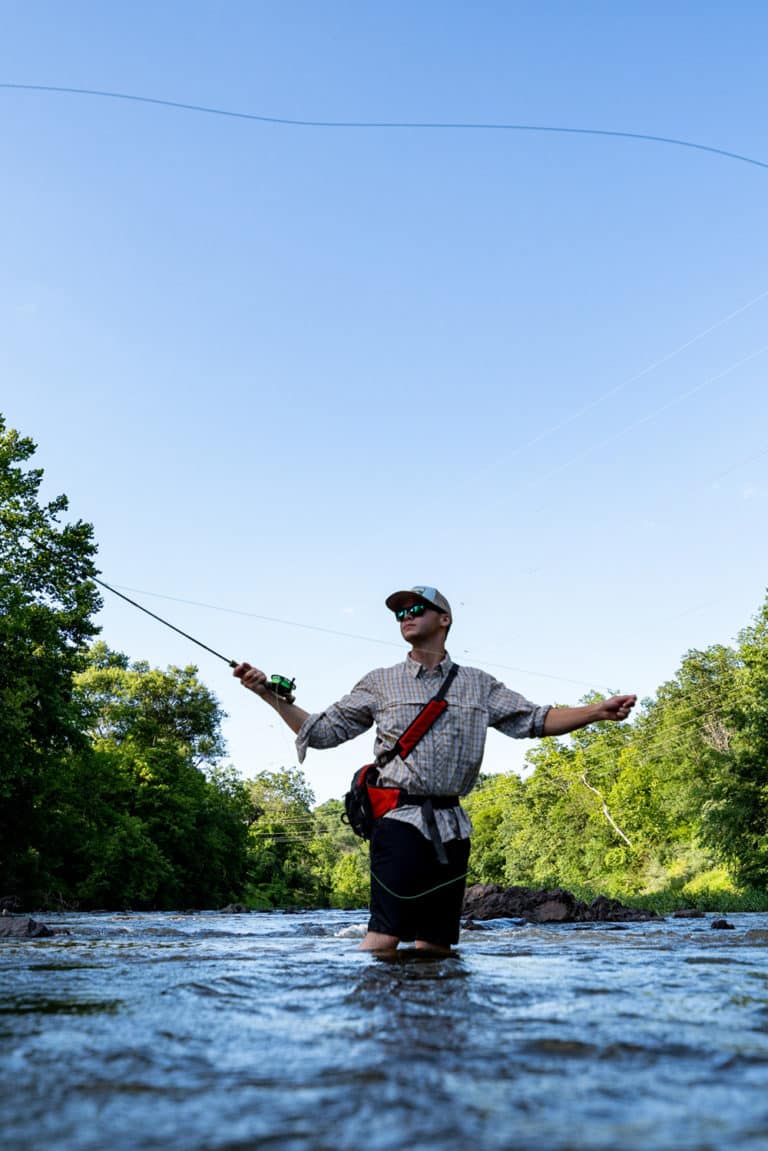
<point>425,628</point>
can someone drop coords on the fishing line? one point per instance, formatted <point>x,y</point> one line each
<point>710,696</point>
<point>398,125</point>
<point>333,631</point>
<point>263,618</point>
<point>416,125</point>
<point>421,894</point>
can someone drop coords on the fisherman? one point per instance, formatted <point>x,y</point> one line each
<point>420,850</point>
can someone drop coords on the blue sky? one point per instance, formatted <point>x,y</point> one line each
<point>286,370</point>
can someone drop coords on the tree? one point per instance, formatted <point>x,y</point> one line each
<point>351,880</point>
<point>487,806</point>
<point>735,819</point>
<point>172,829</point>
<point>281,834</point>
<point>47,599</point>
<point>339,882</point>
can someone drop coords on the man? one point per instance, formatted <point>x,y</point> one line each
<point>414,894</point>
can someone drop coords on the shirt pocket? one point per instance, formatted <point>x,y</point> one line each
<point>392,719</point>
<point>464,725</point>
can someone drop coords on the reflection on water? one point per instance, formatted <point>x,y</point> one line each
<point>224,1033</point>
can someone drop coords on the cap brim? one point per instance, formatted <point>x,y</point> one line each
<point>400,599</point>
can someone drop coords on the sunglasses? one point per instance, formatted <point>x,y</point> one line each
<point>414,610</point>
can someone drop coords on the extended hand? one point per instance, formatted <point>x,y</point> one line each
<point>616,708</point>
<point>252,678</point>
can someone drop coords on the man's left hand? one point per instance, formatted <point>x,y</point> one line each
<point>616,708</point>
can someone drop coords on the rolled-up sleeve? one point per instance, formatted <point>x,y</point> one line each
<point>351,716</point>
<point>513,714</point>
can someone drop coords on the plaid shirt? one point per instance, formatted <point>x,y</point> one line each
<point>447,760</point>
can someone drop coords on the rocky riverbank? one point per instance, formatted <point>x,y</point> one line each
<point>24,927</point>
<point>491,901</point>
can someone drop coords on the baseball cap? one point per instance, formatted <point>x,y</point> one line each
<point>422,594</point>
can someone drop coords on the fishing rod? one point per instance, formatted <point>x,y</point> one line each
<point>280,685</point>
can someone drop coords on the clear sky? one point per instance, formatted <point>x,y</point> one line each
<point>286,370</point>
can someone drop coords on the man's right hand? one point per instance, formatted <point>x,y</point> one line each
<point>252,678</point>
<point>256,681</point>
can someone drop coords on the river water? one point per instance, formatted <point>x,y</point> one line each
<point>226,1032</point>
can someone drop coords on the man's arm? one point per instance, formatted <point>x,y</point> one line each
<point>256,681</point>
<point>561,720</point>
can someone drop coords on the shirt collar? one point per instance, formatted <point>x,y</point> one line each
<point>416,669</point>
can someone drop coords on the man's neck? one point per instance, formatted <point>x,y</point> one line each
<point>427,657</point>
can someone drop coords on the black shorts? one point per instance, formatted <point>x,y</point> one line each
<point>413,895</point>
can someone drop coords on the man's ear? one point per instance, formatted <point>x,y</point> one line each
<point>445,619</point>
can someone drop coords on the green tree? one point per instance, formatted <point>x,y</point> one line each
<point>487,805</point>
<point>681,746</point>
<point>333,840</point>
<point>735,818</point>
<point>281,839</point>
<point>168,823</point>
<point>47,599</point>
<point>565,823</point>
<point>350,883</point>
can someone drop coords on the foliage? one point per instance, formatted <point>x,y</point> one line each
<point>334,842</point>
<point>643,811</point>
<point>351,879</point>
<point>283,827</point>
<point>47,600</point>
<point>492,800</point>
<point>735,817</point>
<point>161,823</point>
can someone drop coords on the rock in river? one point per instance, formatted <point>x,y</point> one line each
<point>491,901</point>
<point>23,927</point>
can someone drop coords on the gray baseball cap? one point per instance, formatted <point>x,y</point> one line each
<point>422,594</point>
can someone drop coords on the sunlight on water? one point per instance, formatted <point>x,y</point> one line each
<point>224,1032</point>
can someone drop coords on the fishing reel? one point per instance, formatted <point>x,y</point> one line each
<point>282,687</point>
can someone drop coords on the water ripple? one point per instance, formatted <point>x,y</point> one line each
<point>224,1033</point>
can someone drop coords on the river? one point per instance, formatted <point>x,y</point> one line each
<point>214,1032</point>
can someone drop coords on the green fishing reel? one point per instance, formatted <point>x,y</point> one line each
<point>282,687</point>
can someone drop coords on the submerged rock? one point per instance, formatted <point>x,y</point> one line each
<point>491,901</point>
<point>722,925</point>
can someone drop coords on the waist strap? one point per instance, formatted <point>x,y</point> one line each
<point>428,804</point>
<point>384,799</point>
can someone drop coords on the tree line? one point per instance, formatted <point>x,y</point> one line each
<point>667,811</point>
<point>115,792</point>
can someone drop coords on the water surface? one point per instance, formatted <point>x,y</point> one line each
<point>218,1032</point>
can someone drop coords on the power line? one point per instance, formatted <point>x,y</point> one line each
<point>389,125</point>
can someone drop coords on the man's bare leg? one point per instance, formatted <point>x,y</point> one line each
<point>378,941</point>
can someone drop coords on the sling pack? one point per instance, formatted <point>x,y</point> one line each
<point>365,802</point>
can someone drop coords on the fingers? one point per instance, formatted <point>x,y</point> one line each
<point>251,677</point>
<point>619,706</point>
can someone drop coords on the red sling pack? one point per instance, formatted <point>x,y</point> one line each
<point>365,802</point>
